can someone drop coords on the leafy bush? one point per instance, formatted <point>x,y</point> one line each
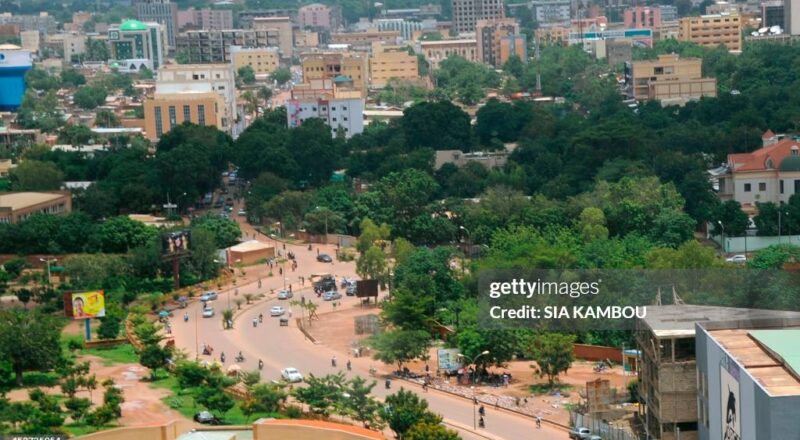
<point>39,379</point>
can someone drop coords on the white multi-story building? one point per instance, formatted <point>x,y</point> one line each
<point>339,109</point>
<point>551,11</point>
<point>198,78</point>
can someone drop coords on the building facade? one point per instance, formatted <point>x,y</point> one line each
<point>214,46</point>
<point>772,14</point>
<point>163,12</point>
<point>338,66</point>
<point>668,78</point>
<point>205,18</point>
<point>366,38</point>
<point>43,22</point>
<point>280,25</point>
<point>643,17</point>
<point>165,111</point>
<point>319,16</point>
<point>263,61</point>
<point>15,63</point>
<point>437,51</point>
<point>202,78</point>
<point>30,40</point>
<point>551,11</point>
<point>749,378</point>
<point>134,45</point>
<point>342,111</point>
<point>74,46</point>
<point>769,174</point>
<point>466,13</point>
<point>395,63</point>
<point>713,30</point>
<point>490,35</point>
<point>18,206</point>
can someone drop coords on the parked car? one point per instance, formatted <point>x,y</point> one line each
<point>284,294</point>
<point>242,212</point>
<point>739,259</point>
<point>207,418</point>
<point>324,258</point>
<point>208,312</point>
<point>580,433</point>
<point>208,296</point>
<point>331,295</point>
<point>325,285</point>
<point>290,374</point>
<point>351,290</point>
<point>277,311</point>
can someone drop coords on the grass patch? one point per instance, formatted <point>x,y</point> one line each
<point>116,354</point>
<point>547,388</point>
<point>79,429</point>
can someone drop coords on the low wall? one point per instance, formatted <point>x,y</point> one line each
<point>104,342</point>
<point>753,243</point>
<point>597,353</point>
<point>168,431</point>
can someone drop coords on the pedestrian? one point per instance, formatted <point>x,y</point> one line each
<point>255,322</point>
<point>303,300</point>
<point>317,251</point>
<point>260,317</point>
<point>516,401</point>
<point>427,368</point>
<point>538,421</point>
<point>259,283</point>
<point>280,271</point>
<point>290,313</point>
<point>236,292</point>
<point>290,288</point>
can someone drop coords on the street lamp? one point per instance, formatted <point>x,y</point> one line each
<point>722,228</point>
<point>48,261</point>
<point>483,353</point>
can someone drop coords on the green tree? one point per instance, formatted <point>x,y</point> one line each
<point>29,340</point>
<point>90,97</point>
<point>360,405</point>
<point>404,409</point>
<point>78,408</point>
<point>438,125</point>
<point>400,346</point>
<point>77,135</point>
<point>120,234</point>
<point>154,357</point>
<point>215,400</point>
<point>72,78</point>
<point>430,431</point>
<point>734,220</point>
<point>106,118</point>
<point>553,353</point>
<point>281,76</point>
<point>322,394</point>
<point>371,234</point>
<point>246,74</point>
<point>372,264</point>
<point>324,220</point>
<point>225,232</point>
<point>111,324</point>
<point>265,398</point>
<point>34,175</point>
<point>592,224</point>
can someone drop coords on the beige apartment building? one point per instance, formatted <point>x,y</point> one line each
<point>18,206</point>
<point>166,110</point>
<point>492,35</point>
<point>437,51</point>
<point>668,78</point>
<point>263,61</point>
<point>305,39</point>
<point>466,13</point>
<point>713,30</point>
<point>30,40</point>
<point>339,67</point>
<point>391,63</point>
<point>281,25</point>
<point>366,38</point>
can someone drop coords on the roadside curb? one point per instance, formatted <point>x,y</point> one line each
<point>464,427</point>
<point>511,411</point>
<point>305,332</point>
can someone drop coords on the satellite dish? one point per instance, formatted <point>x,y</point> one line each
<point>775,29</point>
<point>755,34</point>
<point>763,30</point>
<point>779,32</point>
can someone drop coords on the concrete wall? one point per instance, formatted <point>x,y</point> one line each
<point>169,431</point>
<point>597,353</point>
<point>754,243</point>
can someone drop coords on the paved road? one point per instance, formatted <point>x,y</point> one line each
<point>280,347</point>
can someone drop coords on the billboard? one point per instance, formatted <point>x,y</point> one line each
<point>730,400</point>
<point>449,359</point>
<point>175,243</point>
<point>366,288</point>
<point>82,305</point>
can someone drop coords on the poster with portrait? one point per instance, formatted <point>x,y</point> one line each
<point>83,305</point>
<point>729,397</point>
<point>175,243</point>
<point>449,359</point>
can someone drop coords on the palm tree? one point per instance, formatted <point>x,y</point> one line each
<point>252,102</point>
<point>265,94</point>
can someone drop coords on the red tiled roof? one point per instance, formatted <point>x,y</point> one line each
<point>768,134</point>
<point>757,160</point>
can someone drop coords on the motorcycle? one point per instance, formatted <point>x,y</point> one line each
<point>388,384</point>
<point>222,357</point>
<point>240,357</point>
<point>260,364</point>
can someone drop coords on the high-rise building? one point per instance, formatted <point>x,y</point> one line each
<point>466,13</point>
<point>135,45</point>
<point>490,35</point>
<point>214,46</point>
<point>163,12</point>
<point>319,16</point>
<point>280,25</point>
<point>205,18</point>
<point>772,13</point>
<point>713,30</point>
<point>165,111</point>
<point>551,11</point>
<point>14,64</point>
<point>341,110</point>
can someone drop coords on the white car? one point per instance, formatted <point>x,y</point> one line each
<point>242,212</point>
<point>208,312</point>
<point>290,374</point>
<point>277,311</point>
<point>284,294</point>
<point>737,259</point>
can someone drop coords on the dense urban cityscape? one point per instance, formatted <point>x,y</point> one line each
<point>405,219</point>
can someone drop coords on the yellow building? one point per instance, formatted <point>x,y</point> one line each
<point>166,110</point>
<point>668,78</point>
<point>387,63</point>
<point>437,51</point>
<point>18,206</point>
<point>713,30</point>
<point>336,66</point>
<point>303,38</point>
<point>263,60</point>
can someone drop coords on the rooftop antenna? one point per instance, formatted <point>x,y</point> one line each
<point>658,298</point>
<point>677,300</point>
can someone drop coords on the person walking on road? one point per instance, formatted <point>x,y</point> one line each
<point>538,422</point>
<point>260,317</point>
<point>255,322</point>
<point>333,362</point>
<point>349,365</point>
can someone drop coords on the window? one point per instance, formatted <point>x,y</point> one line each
<point>201,114</point>
<point>762,186</point>
<point>172,118</point>
<point>186,113</point>
<point>344,107</point>
<point>159,126</point>
<point>747,187</point>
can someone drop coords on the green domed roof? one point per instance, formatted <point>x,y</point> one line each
<point>790,163</point>
<point>132,25</point>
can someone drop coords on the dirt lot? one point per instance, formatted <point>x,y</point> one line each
<point>337,330</point>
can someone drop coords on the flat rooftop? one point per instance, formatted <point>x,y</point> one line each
<point>760,352</point>
<point>250,245</point>
<point>679,320</point>
<point>23,200</point>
